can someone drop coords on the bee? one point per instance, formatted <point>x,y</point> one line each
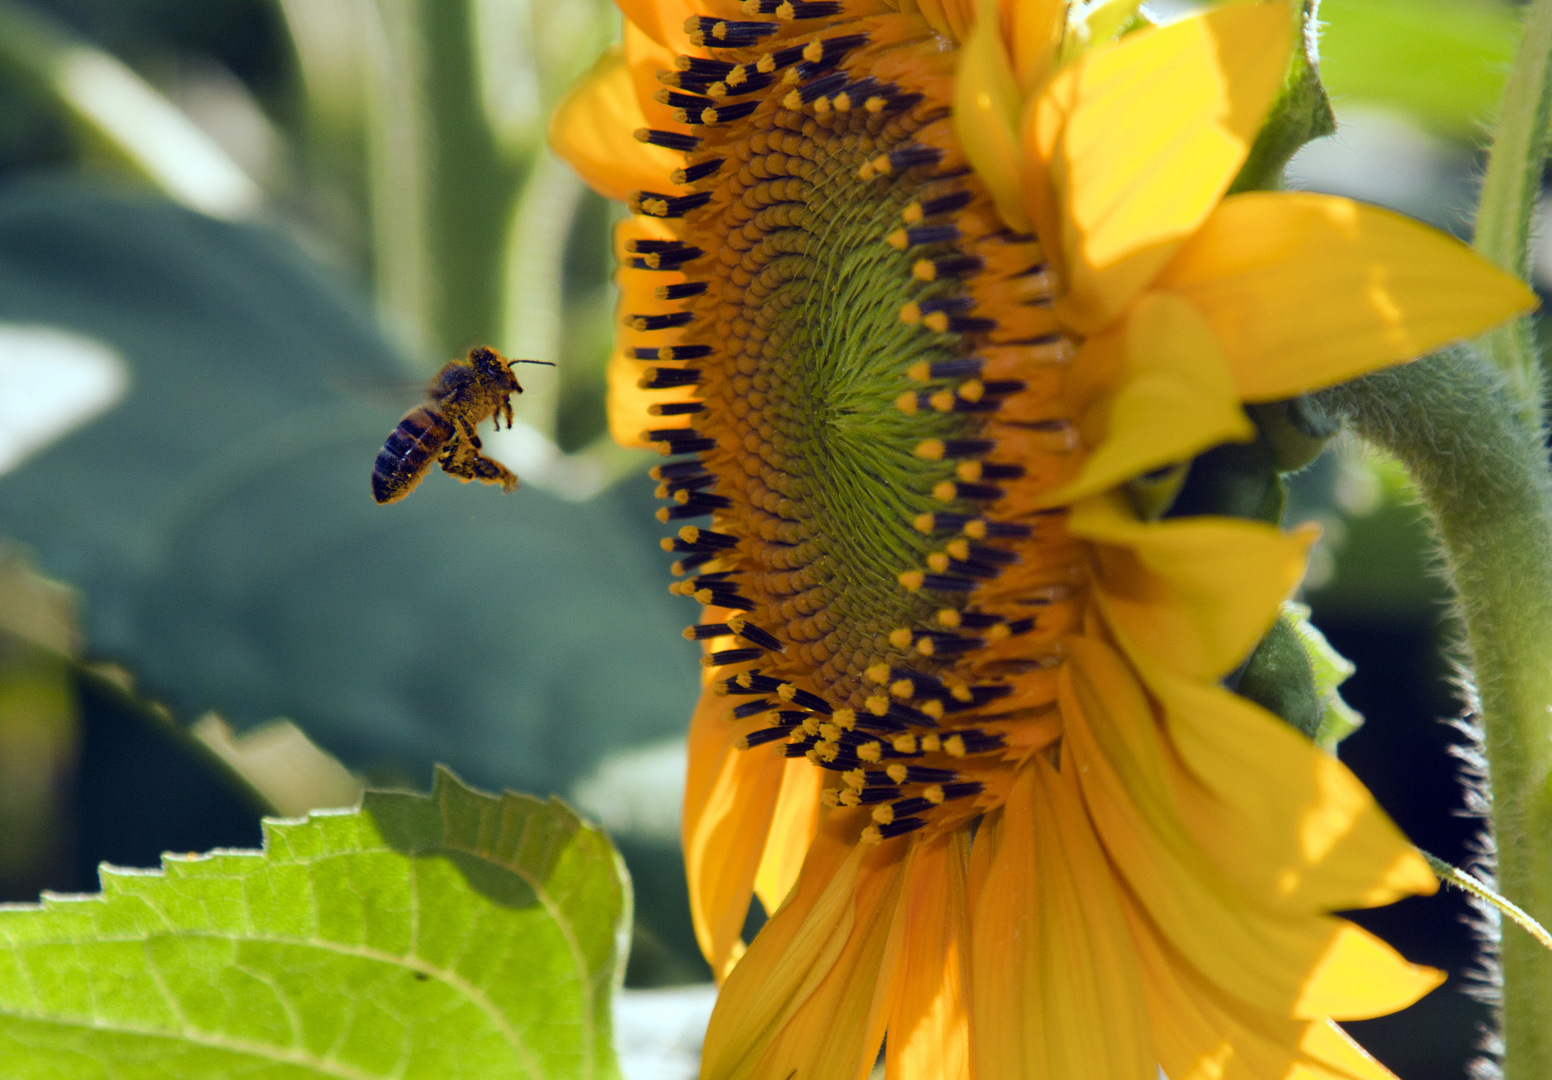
<point>463,394</point>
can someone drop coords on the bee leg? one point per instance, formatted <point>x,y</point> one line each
<point>476,466</point>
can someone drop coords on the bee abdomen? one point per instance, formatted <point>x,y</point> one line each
<point>408,453</point>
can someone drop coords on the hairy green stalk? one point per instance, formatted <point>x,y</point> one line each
<point>1509,192</point>
<point>1456,424</point>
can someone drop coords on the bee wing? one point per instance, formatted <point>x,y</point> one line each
<point>398,395</point>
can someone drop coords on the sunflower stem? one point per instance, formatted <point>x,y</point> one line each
<point>1457,425</point>
<point>1509,192</point>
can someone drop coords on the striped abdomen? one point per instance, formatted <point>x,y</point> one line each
<point>408,453</point>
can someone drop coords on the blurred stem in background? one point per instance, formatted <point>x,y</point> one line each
<point>118,116</point>
<point>1509,193</point>
<point>445,102</point>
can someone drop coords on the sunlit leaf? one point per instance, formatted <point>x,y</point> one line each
<point>443,936</point>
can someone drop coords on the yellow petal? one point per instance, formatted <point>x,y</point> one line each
<point>1304,291</point>
<point>986,113</point>
<point>1142,139</point>
<point>1334,1048</point>
<point>646,57</point>
<point>792,830</point>
<point>593,131</point>
<point>929,1029</point>
<point>663,21</point>
<point>1268,958</point>
<point>1056,991</point>
<point>1360,976</point>
<point>812,991</point>
<point>1034,32</point>
<point>951,18</point>
<point>730,795</point>
<point>1202,1034</point>
<point>1197,593</point>
<point>1158,393</point>
<point>1289,821</point>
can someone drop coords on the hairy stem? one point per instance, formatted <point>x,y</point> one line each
<point>1455,423</point>
<point>1509,192</point>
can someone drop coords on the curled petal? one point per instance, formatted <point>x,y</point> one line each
<point>1157,391</point>
<point>1132,183</point>
<point>1196,593</point>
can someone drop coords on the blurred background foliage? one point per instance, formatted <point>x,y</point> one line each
<point>235,238</point>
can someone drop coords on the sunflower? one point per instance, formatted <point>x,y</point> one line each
<point>911,290</point>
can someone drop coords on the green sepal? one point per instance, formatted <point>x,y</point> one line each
<point>1153,493</point>
<point>1279,677</point>
<point>1295,674</point>
<point>1296,431</point>
<point>1233,480</point>
<point>1302,112</point>
<point>1331,669</point>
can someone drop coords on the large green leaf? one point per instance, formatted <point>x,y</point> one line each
<point>444,936</point>
<point>220,526</point>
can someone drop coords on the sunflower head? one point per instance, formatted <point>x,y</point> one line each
<point>863,359</point>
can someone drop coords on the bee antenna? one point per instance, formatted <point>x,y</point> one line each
<point>546,363</point>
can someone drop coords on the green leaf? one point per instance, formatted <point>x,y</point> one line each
<point>443,936</point>
<point>1442,60</point>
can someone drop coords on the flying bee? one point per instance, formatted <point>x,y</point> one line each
<point>464,393</point>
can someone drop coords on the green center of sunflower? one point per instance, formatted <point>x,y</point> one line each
<point>865,487</point>
<point>832,475</point>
